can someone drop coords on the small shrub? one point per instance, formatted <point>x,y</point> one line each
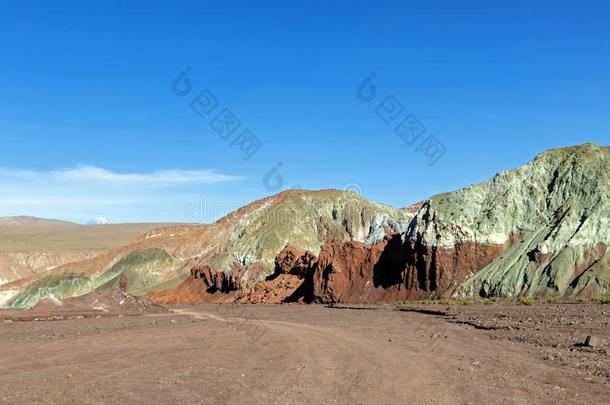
<point>451,302</point>
<point>448,302</point>
<point>604,299</point>
<point>553,300</point>
<point>489,301</point>
<point>526,301</point>
<point>583,300</point>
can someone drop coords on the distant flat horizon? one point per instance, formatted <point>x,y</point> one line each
<point>19,220</point>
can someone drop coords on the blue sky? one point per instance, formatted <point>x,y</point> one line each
<point>90,125</point>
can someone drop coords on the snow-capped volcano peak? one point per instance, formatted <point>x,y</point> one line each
<point>98,221</point>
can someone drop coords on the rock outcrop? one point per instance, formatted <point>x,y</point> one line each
<point>237,252</point>
<point>217,281</point>
<point>539,230</point>
<point>303,219</point>
<point>542,229</point>
<point>556,210</point>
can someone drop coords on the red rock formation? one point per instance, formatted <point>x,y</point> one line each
<point>215,281</point>
<point>435,272</point>
<point>276,291</point>
<point>291,281</point>
<point>294,261</point>
<point>345,272</point>
<point>191,291</point>
<point>349,273</point>
<point>204,286</point>
<point>391,271</point>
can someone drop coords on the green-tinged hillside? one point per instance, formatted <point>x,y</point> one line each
<point>556,210</point>
<point>306,220</point>
<point>142,269</point>
<point>32,246</point>
<point>542,229</point>
<point>249,239</point>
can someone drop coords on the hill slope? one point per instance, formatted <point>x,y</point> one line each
<point>557,208</point>
<point>542,229</point>
<point>246,242</point>
<point>30,246</point>
<point>539,230</point>
<point>27,221</point>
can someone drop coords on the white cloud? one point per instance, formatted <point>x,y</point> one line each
<point>96,174</point>
<point>88,191</point>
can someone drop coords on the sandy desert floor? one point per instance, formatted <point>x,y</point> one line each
<point>301,355</point>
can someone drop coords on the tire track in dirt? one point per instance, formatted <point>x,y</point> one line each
<point>333,355</point>
<point>217,355</point>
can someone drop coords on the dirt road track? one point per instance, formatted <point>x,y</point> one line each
<point>277,354</point>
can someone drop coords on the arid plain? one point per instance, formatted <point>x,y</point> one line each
<point>218,354</point>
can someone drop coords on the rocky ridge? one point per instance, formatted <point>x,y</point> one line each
<point>538,230</point>
<point>553,217</point>
<point>243,245</point>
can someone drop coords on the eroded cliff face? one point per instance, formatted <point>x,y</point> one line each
<point>241,247</point>
<point>343,272</point>
<point>547,220</point>
<point>306,220</point>
<point>542,229</point>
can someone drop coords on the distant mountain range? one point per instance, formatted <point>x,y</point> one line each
<point>25,220</point>
<point>540,230</point>
<point>28,221</point>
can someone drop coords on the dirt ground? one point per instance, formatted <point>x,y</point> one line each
<point>297,354</point>
<point>558,331</point>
